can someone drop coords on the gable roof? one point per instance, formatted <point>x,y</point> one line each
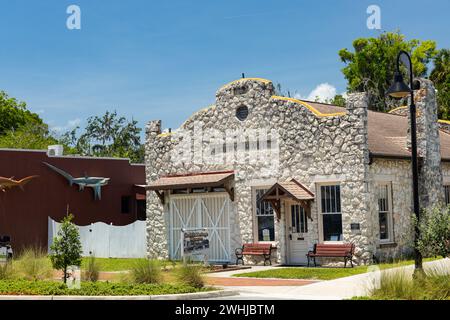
<point>387,133</point>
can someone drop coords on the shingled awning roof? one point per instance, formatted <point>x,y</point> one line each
<point>292,190</point>
<point>190,181</point>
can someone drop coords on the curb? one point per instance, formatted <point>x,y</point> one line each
<point>182,296</point>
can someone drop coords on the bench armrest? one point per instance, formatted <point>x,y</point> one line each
<point>238,251</point>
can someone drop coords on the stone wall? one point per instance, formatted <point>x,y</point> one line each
<point>398,173</point>
<point>302,144</point>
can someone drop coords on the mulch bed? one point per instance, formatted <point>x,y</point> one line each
<point>220,268</point>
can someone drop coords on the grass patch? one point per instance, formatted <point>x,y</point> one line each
<point>305,273</point>
<point>32,264</point>
<point>112,264</point>
<point>26,287</point>
<point>321,273</point>
<point>192,275</point>
<point>398,285</point>
<point>122,264</point>
<point>147,271</point>
<point>92,271</point>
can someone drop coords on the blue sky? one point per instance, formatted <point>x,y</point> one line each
<point>165,59</point>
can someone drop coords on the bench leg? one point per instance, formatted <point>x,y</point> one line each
<point>351,262</point>
<point>241,259</point>
<point>267,258</point>
<point>315,265</point>
<point>308,260</point>
<point>345,263</point>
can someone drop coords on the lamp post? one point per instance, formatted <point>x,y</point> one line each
<point>399,89</point>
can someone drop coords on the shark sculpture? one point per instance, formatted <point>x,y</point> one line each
<point>8,183</point>
<point>95,183</point>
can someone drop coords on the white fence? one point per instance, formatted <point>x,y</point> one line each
<point>107,241</point>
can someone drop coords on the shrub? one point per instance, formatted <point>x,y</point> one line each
<point>25,287</point>
<point>434,229</point>
<point>192,275</point>
<point>92,271</point>
<point>66,247</point>
<point>32,264</point>
<point>147,271</point>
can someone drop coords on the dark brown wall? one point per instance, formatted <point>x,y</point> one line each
<point>23,214</point>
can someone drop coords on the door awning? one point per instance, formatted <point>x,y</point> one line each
<point>289,190</point>
<point>191,181</point>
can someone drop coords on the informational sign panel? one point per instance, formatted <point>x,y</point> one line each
<point>195,242</point>
<point>73,277</point>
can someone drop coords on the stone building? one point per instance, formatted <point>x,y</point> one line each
<point>339,174</point>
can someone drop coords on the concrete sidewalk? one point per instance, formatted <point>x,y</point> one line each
<point>338,289</point>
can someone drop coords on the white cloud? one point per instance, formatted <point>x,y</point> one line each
<point>71,124</point>
<point>322,93</point>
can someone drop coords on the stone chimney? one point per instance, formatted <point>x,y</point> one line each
<point>428,145</point>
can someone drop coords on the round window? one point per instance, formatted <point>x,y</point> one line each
<point>242,113</point>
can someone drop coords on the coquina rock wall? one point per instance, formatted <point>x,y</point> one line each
<point>281,138</point>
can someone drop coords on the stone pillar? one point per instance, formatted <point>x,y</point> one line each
<point>428,145</point>
<point>157,246</point>
<point>355,193</point>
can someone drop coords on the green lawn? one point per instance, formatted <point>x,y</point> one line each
<point>113,264</point>
<point>25,287</point>
<point>120,264</point>
<point>320,273</point>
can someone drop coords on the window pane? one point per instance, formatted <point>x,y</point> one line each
<point>266,223</point>
<point>384,211</point>
<point>338,198</point>
<point>331,199</point>
<point>303,221</point>
<point>264,218</point>
<point>332,227</point>
<point>384,232</point>
<point>262,207</point>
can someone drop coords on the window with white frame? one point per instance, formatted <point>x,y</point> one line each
<point>385,212</point>
<point>265,223</point>
<point>447,194</point>
<point>330,196</point>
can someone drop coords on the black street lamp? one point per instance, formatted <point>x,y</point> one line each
<point>399,89</point>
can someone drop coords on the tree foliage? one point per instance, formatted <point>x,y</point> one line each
<point>434,227</point>
<point>440,75</point>
<point>371,66</point>
<point>27,136</point>
<point>66,248</point>
<point>338,100</point>
<point>109,135</point>
<point>14,114</point>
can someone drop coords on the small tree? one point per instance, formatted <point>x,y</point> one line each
<point>434,228</point>
<point>66,248</point>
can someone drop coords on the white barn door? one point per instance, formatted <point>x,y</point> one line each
<point>210,211</point>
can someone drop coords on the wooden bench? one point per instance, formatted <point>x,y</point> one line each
<point>254,249</point>
<point>344,251</point>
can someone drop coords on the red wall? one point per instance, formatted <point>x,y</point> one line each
<point>23,214</point>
